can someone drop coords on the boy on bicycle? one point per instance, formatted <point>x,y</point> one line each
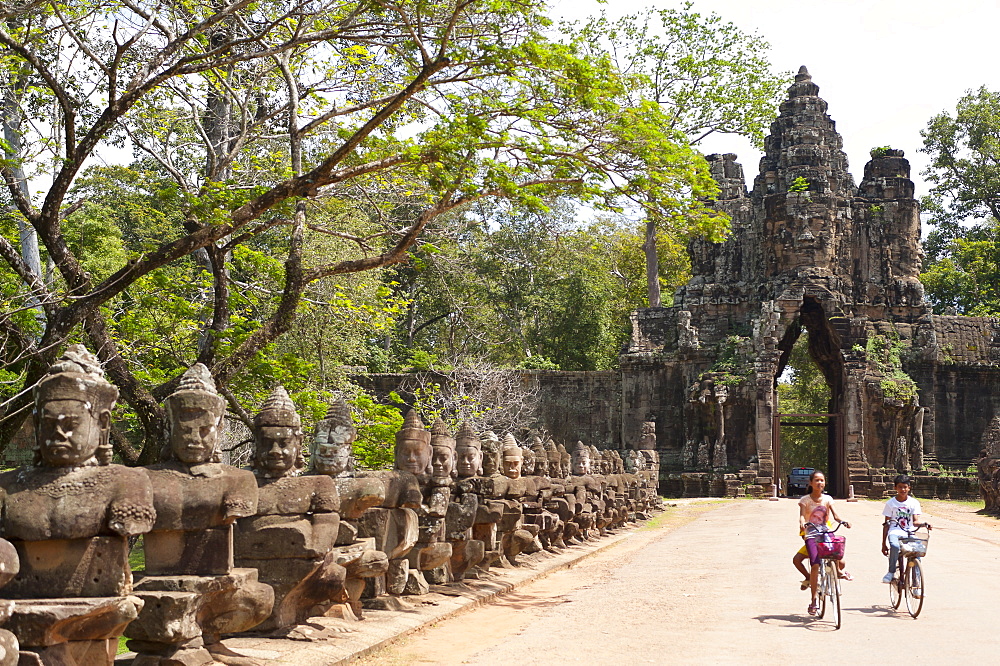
<point>902,516</point>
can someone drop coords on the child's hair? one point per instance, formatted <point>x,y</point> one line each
<point>903,478</point>
<point>813,476</point>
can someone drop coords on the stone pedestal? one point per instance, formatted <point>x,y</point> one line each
<point>72,632</point>
<point>207,552</point>
<point>94,567</point>
<point>182,614</point>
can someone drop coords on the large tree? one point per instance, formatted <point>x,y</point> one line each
<point>704,73</point>
<point>963,250</point>
<point>263,129</point>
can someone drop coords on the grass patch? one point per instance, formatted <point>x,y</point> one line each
<point>137,556</point>
<point>121,645</point>
<point>676,514</point>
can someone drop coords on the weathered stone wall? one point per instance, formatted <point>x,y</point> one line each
<point>572,406</point>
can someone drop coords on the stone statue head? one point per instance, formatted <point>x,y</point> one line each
<point>618,464</point>
<point>332,448</point>
<point>541,457</point>
<point>278,436</point>
<point>442,451</point>
<point>647,440</point>
<point>581,459</point>
<point>194,418</point>
<point>607,462</point>
<point>565,461</point>
<point>528,465</point>
<point>469,452</point>
<point>555,459</point>
<point>513,457</point>
<point>491,453</point>
<point>72,413</point>
<point>413,446</point>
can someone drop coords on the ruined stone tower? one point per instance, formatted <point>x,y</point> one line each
<point>810,252</point>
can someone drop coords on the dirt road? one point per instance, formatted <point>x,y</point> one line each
<point>713,583</point>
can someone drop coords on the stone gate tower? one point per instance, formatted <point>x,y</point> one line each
<point>810,252</point>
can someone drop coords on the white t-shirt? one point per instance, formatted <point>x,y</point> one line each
<point>901,514</point>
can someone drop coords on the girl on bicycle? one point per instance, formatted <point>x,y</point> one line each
<point>816,513</point>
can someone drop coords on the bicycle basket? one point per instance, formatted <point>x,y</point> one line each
<point>831,546</point>
<point>913,546</point>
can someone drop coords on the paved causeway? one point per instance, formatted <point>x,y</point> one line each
<point>713,583</point>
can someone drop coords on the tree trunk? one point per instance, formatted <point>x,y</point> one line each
<point>652,265</point>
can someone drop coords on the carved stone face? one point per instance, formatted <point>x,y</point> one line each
<point>491,457</point>
<point>470,461</point>
<point>512,467</point>
<point>194,434</point>
<point>277,449</point>
<point>332,458</point>
<point>528,466</point>
<point>67,433</point>
<point>442,461</point>
<point>581,463</point>
<point>541,465</point>
<point>413,456</point>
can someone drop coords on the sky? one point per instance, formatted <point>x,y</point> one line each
<point>884,66</point>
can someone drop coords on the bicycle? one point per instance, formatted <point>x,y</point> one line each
<point>909,582</point>
<point>828,584</point>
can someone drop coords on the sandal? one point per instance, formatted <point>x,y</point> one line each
<point>804,585</point>
<point>813,608</point>
<point>844,575</point>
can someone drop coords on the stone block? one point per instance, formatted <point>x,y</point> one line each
<point>396,576</point>
<point>45,622</point>
<point>346,534</point>
<point>227,604</point>
<point>359,494</point>
<point>9,648</point>
<point>416,583</point>
<point>298,586</point>
<point>207,552</point>
<point>61,568</point>
<point>188,653</point>
<point>73,653</point>
<point>167,617</point>
<point>402,490</point>
<point>394,530</point>
<point>281,537</point>
<point>430,556</point>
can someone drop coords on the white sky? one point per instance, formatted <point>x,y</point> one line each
<point>885,66</point>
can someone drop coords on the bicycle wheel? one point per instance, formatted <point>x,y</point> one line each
<point>895,595</point>
<point>821,591</point>
<point>914,587</point>
<point>833,590</point>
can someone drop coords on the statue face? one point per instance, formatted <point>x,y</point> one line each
<point>277,449</point>
<point>470,461</point>
<point>528,466</point>
<point>541,466</point>
<point>490,460</point>
<point>581,464</point>
<point>512,467</point>
<point>442,461</point>
<point>194,433</point>
<point>331,458</point>
<point>67,433</point>
<point>412,456</point>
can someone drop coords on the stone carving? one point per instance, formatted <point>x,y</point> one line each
<point>413,451</point>
<point>190,548</point>
<point>333,456</point>
<point>687,335</point>
<point>291,539</point>
<point>68,517</point>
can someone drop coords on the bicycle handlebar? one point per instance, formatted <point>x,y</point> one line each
<point>813,528</point>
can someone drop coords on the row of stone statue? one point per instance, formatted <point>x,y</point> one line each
<point>229,550</point>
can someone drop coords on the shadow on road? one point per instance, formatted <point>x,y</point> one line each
<point>796,622</point>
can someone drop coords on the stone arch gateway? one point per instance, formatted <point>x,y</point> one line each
<point>809,251</point>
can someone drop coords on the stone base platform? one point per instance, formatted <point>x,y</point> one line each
<point>324,641</point>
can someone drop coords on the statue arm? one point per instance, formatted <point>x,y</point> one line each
<point>240,500</point>
<point>131,510</point>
